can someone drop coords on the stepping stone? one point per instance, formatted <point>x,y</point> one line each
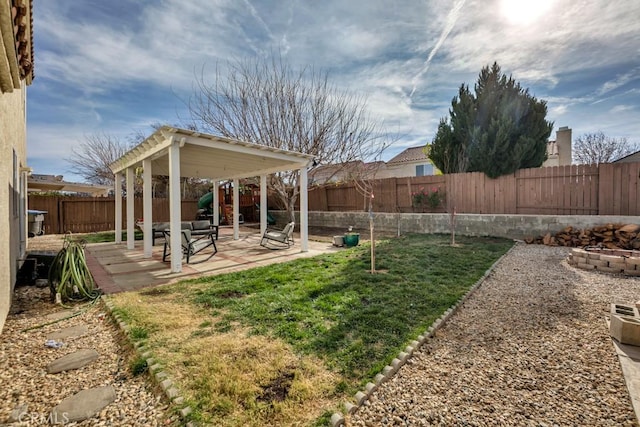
<point>72,361</point>
<point>71,331</point>
<point>82,405</point>
<point>17,413</point>
<point>59,315</point>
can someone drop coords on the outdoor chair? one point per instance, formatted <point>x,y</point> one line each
<point>190,246</point>
<point>278,239</point>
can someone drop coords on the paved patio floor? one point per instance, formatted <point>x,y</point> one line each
<point>117,269</point>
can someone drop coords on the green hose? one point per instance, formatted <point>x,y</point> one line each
<point>69,277</point>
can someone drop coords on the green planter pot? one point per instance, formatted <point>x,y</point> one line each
<point>351,240</point>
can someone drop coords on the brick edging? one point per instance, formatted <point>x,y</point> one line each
<point>338,420</point>
<point>606,260</point>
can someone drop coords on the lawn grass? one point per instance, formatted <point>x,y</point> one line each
<point>107,236</point>
<point>319,328</point>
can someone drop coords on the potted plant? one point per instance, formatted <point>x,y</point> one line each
<point>351,238</point>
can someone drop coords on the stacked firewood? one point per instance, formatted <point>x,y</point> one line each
<point>610,236</point>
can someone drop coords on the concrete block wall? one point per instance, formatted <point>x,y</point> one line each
<point>509,226</point>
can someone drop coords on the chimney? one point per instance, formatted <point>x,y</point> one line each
<point>563,142</point>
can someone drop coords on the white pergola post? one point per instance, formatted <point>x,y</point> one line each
<point>304,211</point>
<point>263,204</point>
<point>117,194</point>
<point>147,207</point>
<point>175,214</point>
<point>236,209</point>
<point>215,204</point>
<point>130,208</point>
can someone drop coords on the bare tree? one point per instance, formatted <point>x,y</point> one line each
<point>265,101</point>
<point>91,158</point>
<point>596,148</point>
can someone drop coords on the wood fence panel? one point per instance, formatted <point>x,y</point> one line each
<point>318,199</point>
<point>50,204</point>
<point>619,189</point>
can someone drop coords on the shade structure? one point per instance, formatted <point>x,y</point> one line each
<point>177,153</point>
<point>208,156</point>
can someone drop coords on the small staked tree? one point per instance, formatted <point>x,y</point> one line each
<point>595,148</point>
<point>266,101</point>
<point>497,129</point>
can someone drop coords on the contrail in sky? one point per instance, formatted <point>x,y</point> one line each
<point>452,18</point>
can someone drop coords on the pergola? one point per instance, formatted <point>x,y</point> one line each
<point>179,153</point>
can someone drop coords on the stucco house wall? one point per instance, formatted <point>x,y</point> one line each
<point>16,73</point>
<point>13,148</point>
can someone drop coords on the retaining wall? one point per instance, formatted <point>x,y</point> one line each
<point>509,226</point>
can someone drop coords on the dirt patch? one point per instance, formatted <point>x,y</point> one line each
<point>278,389</point>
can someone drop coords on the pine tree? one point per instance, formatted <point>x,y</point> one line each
<point>498,129</point>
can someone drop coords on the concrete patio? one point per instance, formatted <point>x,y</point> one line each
<point>117,269</point>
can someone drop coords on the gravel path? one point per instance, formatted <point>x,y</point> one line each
<point>24,381</point>
<point>530,347</point>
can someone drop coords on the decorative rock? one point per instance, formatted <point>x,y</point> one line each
<point>171,393</point>
<point>337,420</point>
<point>350,408</point>
<point>360,397</point>
<point>71,331</point>
<point>161,376</point>
<point>153,368</point>
<point>179,400</point>
<point>83,405</point>
<point>409,350</point>
<point>184,412</point>
<point>370,388</point>
<point>387,371</point>
<point>402,357</point>
<point>379,379</point>
<point>396,364</point>
<point>166,384</point>
<point>71,361</point>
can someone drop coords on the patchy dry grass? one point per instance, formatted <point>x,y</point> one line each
<point>230,378</point>
<point>286,343</point>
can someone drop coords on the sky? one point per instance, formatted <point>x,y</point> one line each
<point>118,67</point>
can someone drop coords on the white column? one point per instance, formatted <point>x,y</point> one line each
<point>130,208</point>
<point>175,207</point>
<point>117,194</point>
<point>304,211</point>
<point>263,204</point>
<point>147,208</point>
<point>215,204</point>
<point>236,209</point>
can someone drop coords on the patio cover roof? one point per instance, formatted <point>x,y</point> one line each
<point>37,182</point>
<point>208,156</point>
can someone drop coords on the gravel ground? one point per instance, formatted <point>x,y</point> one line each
<point>24,357</point>
<point>529,348</point>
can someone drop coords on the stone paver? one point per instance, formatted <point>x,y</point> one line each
<point>83,405</point>
<point>71,361</point>
<point>70,332</point>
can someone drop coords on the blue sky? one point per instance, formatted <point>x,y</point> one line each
<point>116,67</point>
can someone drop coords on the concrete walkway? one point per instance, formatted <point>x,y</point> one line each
<point>117,269</point>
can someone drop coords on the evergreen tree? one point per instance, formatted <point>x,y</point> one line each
<point>498,129</point>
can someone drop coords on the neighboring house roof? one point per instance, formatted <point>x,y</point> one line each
<point>633,157</point>
<point>37,182</point>
<point>413,154</point>
<point>16,39</point>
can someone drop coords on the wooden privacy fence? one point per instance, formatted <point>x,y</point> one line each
<point>92,214</point>
<point>607,189</point>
